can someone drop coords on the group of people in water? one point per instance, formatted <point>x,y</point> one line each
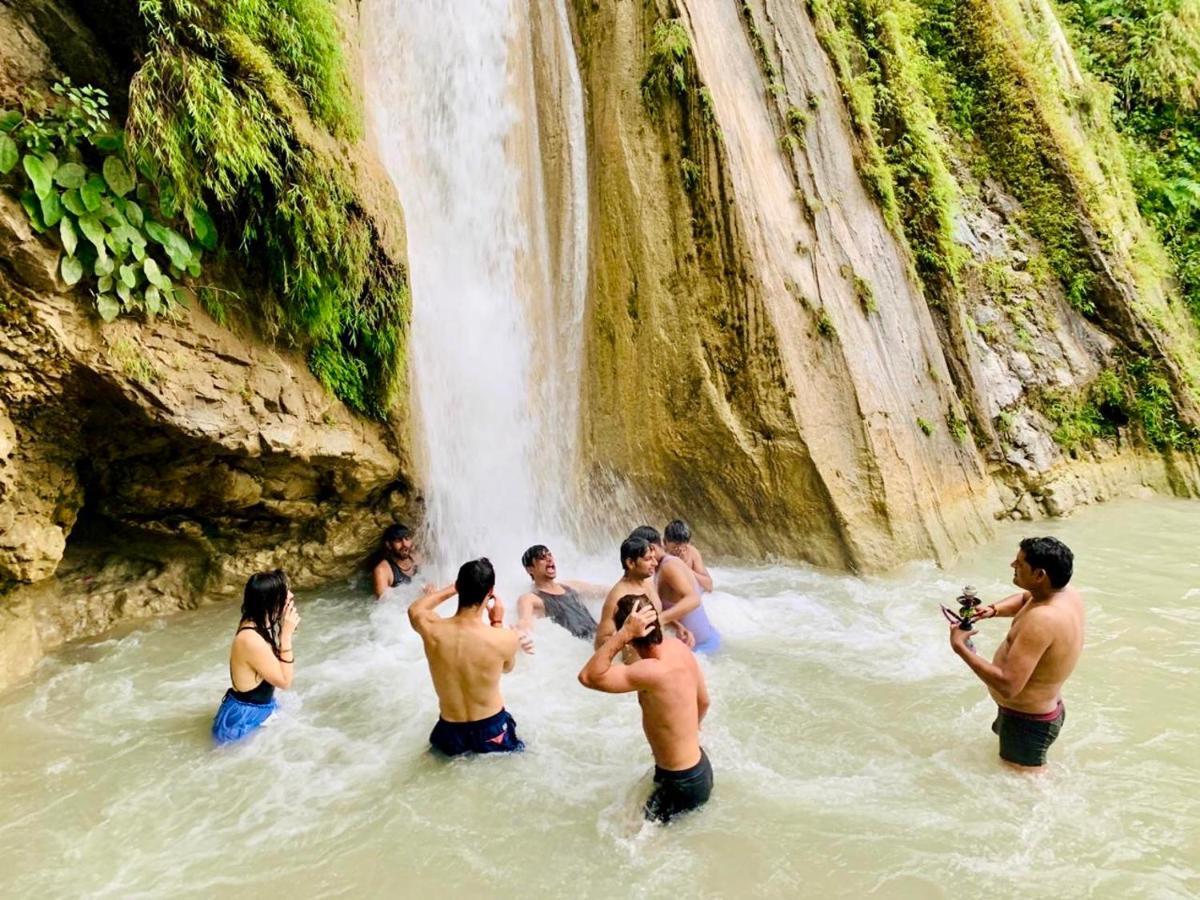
<point>653,617</point>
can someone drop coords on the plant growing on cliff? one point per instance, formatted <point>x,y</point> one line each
<point>230,101</point>
<point>113,214</point>
<point>666,72</point>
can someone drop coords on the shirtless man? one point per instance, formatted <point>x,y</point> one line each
<point>677,540</point>
<point>680,594</point>
<point>466,659</point>
<point>1026,676</point>
<point>399,564</point>
<point>639,563</point>
<point>673,697</point>
<point>557,600</point>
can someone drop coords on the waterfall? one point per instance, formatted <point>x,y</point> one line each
<point>497,288</point>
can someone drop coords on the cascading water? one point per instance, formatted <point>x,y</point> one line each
<point>497,297</point>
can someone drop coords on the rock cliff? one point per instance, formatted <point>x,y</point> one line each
<point>145,466</point>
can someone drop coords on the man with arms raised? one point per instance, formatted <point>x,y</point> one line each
<point>466,659</point>
<point>555,600</point>
<point>673,697</point>
<point>679,592</point>
<point>639,564</point>
<point>1026,675</point>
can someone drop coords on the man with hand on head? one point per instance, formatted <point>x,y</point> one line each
<point>673,697</point>
<point>1026,675</point>
<point>466,658</point>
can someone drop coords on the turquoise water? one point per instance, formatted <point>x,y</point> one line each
<point>852,752</point>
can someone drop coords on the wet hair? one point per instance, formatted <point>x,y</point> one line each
<point>1052,556</point>
<point>647,533</point>
<point>262,603</point>
<point>633,549</point>
<point>677,532</point>
<point>396,532</point>
<point>533,554</point>
<point>629,604</point>
<point>474,582</point>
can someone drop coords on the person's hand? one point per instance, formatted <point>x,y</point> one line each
<point>495,610</point>
<point>640,623</point>
<point>685,635</point>
<point>291,618</point>
<point>984,612</point>
<point>959,638</point>
<point>526,640</point>
<point>427,589</point>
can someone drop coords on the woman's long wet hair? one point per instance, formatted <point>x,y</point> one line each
<point>263,602</point>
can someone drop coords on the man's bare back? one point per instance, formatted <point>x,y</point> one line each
<point>466,659</point>
<point>669,701</point>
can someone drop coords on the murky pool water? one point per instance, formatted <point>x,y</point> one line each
<point>852,752</point>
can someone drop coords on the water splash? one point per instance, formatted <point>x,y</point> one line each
<point>497,292</point>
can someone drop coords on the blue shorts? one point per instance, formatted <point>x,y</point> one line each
<point>495,734</point>
<point>235,718</point>
<point>711,645</point>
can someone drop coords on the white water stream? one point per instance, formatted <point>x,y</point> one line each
<point>497,297</point>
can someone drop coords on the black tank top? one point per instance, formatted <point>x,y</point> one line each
<point>398,576</point>
<point>263,692</point>
<point>567,610</point>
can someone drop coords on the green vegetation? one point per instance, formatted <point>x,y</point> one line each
<point>1148,51</point>
<point>825,326</point>
<point>926,426</point>
<point>113,215</point>
<point>667,73</point>
<point>237,108</point>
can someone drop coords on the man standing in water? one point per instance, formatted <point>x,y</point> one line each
<point>466,659</point>
<point>558,601</point>
<point>1026,675</point>
<point>673,697</point>
<point>398,564</point>
<point>677,540</point>
<point>639,564</point>
<point>680,594</point>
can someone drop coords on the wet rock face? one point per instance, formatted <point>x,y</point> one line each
<point>177,429</point>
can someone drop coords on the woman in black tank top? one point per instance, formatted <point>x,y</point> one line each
<point>261,658</point>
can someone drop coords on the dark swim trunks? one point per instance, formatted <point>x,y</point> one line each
<point>678,792</point>
<point>495,734</point>
<point>1025,737</point>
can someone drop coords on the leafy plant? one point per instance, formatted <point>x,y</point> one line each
<point>926,426</point>
<point>114,215</point>
<point>666,73</point>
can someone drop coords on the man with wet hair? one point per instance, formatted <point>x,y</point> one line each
<point>673,697</point>
<point>638,564</point>
<point>677,541</point>
<point>398,563</point>
<point>1026,675</point>
<point>466,659</point>
<point>558,601</point>
<point>680,594</point>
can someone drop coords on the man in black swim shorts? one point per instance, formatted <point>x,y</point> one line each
<point>673,697</point>
<point>1027,673</point>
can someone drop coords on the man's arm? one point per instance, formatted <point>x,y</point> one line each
<point>586,589</point>
<point>606,626</point>
<point>1006,608</point>
<point>382,576</point>
<point>1028,647</point>
<point>679,577</point>
<point>599,674</point>
<point>696,563</point>
<point>423,609</point>
<point>529,606</point>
